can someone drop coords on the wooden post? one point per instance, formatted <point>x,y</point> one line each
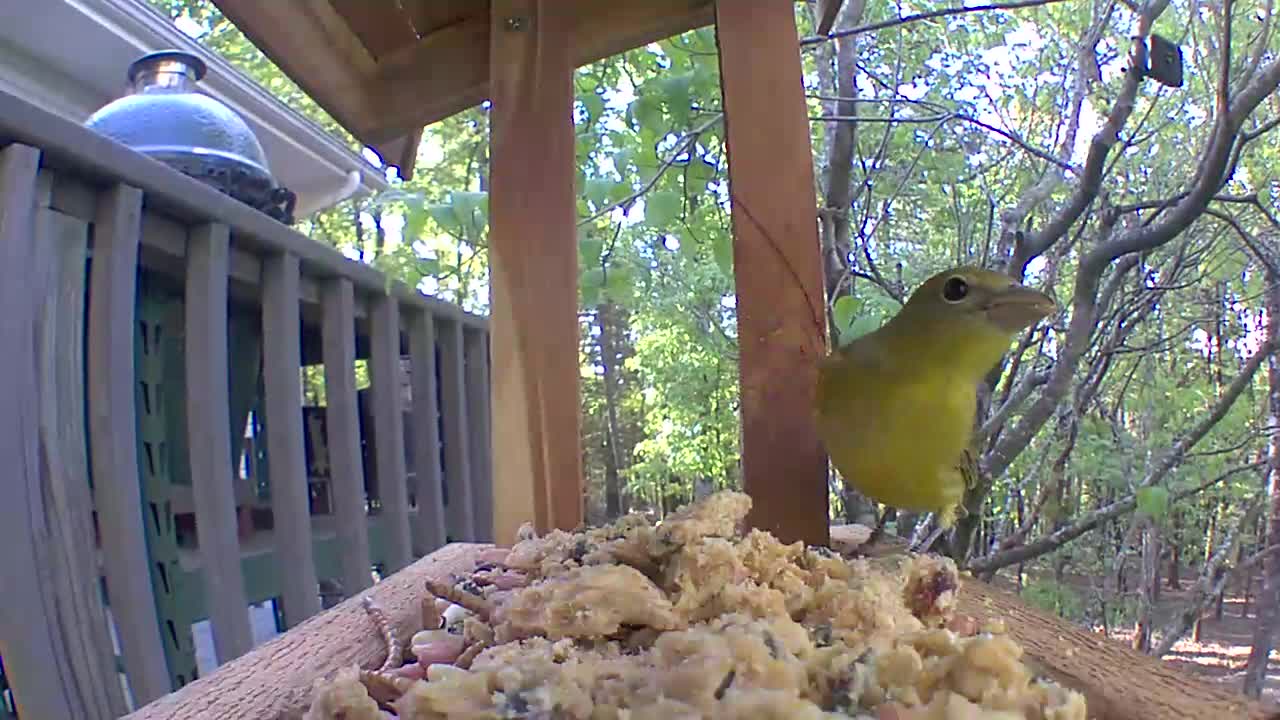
<point>388,429</point>
<point>61,244</point>
<point>778,268</point>
<point>477,361</point>
<point>51,604</point>
<point>286,458</point>
<point>209,440</point>
<point>459,507</point>
<point>113,439</point>
<point>533,268</point>
<point>342,430</point>
<point>426,432</point>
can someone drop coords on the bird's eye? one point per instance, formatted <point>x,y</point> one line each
<point>955,290</point>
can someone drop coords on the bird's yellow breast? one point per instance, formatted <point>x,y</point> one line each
<point>897,432</point>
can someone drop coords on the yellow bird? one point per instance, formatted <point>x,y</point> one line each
<point>895,407</point>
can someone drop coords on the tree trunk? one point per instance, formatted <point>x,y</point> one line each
<point>1255,673</point>
<point>1147,590</point>
<point>608,356</point>
<point>1175,582</point>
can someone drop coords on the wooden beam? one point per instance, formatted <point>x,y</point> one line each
<point>428,488</point>
<point>448,71</point>
<point>113,440</point>
<point>402,152</point>
<point>459,504</point>
<point>313,45</point>
<point>476,344</point>
<point>286,458</point>
<point>209,440</point>
<point>533,266</point>
<point>381,28</point>
<point>342,430</point>
<point>778,269</point>
<point>388,429</point>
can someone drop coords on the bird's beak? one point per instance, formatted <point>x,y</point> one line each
<point>1018,306</point>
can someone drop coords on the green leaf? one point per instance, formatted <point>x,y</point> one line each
<point>618,283</point>
<point>415,221</point>
<point>861,326</point>
<point>594,104</point>
<point>698,174</point>
<point>1152,501</point>
<point>590,249</point>
<point>844,312</point>
<point>591,284</point>
<point>661,208</point>
<point>675,91</point>
<point>722,252</point>
<point>465,204</point>
<point>444,216</point>
<point>598,191</point>
<point>647,110</point>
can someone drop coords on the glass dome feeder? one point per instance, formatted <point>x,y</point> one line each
<point>166,117</point>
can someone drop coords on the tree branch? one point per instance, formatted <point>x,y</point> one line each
<point>1211,581</point>
<point>932,15</point>
<point>685,143</point>
<point>1160,468</point>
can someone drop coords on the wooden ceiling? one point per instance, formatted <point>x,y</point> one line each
<point>385,68</point>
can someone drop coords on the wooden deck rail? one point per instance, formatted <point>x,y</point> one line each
<point>85,449</point>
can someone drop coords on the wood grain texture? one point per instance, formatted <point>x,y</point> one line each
<point>275,680</point>
<point>459,509</point>
<point>598,30</point>
<point>343,434</point>
<point>1118,683</point>
<point>62,244</point>
<point>777,266</point>
<point>428,481</point>
<point>388,429</point>
<point>209,440</point>
<point>286,458</point>
<point>39,653</point>
<point>113,439</point>
<point>476,345</point>
<point>533,265</point>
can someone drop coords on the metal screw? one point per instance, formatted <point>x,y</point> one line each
<point>515,24</point>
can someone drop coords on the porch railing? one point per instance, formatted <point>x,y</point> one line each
<point>146,320</point>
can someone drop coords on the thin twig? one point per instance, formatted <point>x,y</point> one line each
<point>683,146</point>
<point>905,19</point>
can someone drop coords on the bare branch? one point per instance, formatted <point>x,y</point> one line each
<point>1017,396</point>
<point>1213,578</point>
<point>932,15</point>
<point>948,117</point>
<point>1090,521</point>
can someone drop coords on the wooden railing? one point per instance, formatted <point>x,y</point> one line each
<point>144,317</point>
